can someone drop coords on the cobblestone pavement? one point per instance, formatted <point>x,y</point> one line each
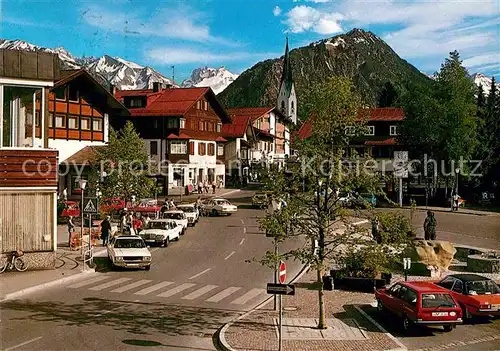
<point>258,330</point>
<point>353,313</point>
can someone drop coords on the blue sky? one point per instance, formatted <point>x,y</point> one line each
<point>239,33</point>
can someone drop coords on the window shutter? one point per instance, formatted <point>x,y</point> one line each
<point>191,147</point>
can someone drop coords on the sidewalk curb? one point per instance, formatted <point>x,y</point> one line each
<point>221,334</point>
<point>484,214</point>
<point>32,289</point>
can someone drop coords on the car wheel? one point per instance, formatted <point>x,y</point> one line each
<point>214,212</point>
<point>178,237</point>
<point>183,231</point>
<point>448,328</point>
<point>166,242</point>
<point>148,267</point>
<point>380,307</point>
<point>466,315</point>
<point>406,324</point>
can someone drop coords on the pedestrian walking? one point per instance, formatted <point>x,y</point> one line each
<point>205,185</point>
<point>430,224</point>
<point>105,230</point>
<point>214,185</point>
<point>200,187</point>
<point>71,229</point>
<point>456,197</point>
<point>171,205</point>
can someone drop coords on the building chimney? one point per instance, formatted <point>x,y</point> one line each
<point>156,87</point>
<point>112,89</point>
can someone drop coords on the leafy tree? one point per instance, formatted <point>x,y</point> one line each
<point>441,119</point>
<point>388,96</point>
<point>309,187</point>
<point>125,162</point>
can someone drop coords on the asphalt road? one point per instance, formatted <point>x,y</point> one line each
<point>459,228</point>
<point>194,286</point>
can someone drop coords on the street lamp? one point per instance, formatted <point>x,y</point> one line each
<point>83,183</point>
<point>457,170</point>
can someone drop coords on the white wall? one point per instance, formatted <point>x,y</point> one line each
<point>68,148</point>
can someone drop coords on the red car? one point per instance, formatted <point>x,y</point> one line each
<point>476,295</point>
<point>112,205</point>
<point>70,209</point>
<point>420,303</point>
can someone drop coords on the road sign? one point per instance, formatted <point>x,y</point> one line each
<point>90,205</point>
<point>282,271</point>
<point>280,289</point>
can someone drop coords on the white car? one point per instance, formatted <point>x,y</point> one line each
<point>217,207</point>
<point>161,232</point>
<point>129,251</point>
<point>178,217</point>
<point>191,212</point>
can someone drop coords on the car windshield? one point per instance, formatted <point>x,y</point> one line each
<point>156,225</point>
<point>129,244</point>
<point>482,287</point>
<point>437,300</point>
<point>173,215</point>
<point>187,209</point>
<point>222,202</point>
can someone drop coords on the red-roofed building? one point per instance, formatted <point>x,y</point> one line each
<point>256,134</point>
<point>380,141</point>
<point>181,128</point>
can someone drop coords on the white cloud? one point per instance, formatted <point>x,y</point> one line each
<point>305,18</point>
<point>488,59</point>
<point>176,55</point>
<point>429,28</point>
<point>277,11</point>
<point>176,24</point>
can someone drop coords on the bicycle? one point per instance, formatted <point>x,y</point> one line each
<point>15,262</point>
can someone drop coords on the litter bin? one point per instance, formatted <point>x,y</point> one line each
<point>327,282</point>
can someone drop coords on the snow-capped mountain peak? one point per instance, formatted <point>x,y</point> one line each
<point>484,81</point>
<point>106,69</point>
<point>216,78</point>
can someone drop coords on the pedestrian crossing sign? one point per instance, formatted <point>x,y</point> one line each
<point>90,205</point>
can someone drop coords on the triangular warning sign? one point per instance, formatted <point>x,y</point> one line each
<point>90,207</point>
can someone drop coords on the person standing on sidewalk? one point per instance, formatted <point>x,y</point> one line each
<point>105,230</point>
<point>430,224</point>
<point>376,230</point>
<point>456,197</point>
<point>71,229</point>
<point>214,185</point>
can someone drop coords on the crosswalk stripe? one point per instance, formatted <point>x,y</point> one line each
<point>248,296</point>
<point>176,290</point>
<point>223,294</point>
<point>131,286</point>
<point>197,293</point>
<point>110,284</point>
<point>88,282</point>
<point>153,288</point>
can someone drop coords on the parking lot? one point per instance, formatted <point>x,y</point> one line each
<point>477,335</point>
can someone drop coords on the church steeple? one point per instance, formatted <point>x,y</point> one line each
<point>287,101</point>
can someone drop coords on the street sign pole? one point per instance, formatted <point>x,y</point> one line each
<point>400,191</point>
<point>276,272</point>
<point>280,345</point>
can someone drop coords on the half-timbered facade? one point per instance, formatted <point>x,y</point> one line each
<point>181,128</point>
<point>28,168</point>
<point>78,121</point>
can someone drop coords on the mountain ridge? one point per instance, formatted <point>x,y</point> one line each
<point>216,78</point>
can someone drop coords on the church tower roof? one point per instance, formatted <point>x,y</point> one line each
<point>287,71</point>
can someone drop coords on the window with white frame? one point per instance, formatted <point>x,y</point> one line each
<point>393,130</point>
<point>97,124</point>
<point>220,150</point>
<point>349,130</point>
<point>370,130</point>
<point>178,147</point>
<point>219,127</point>
<point>183,123</point>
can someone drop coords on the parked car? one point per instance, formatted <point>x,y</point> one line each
<point>260,200</point>
<point>191,212</point>
<point>146,207</point>
<point>178,217</point>
<point>71,208</point>
<point>365,199</point>
<point>112,205</point>
<point>217,207</point>
<point>476,295</point>
<point>420,303</point>
<point>129,251</point>
<point>161,232</point>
